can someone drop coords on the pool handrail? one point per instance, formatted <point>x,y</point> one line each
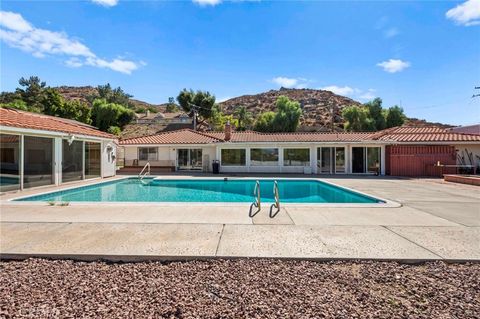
<point>276,204</point>
<point>257,199</point>
<point>143,173</point>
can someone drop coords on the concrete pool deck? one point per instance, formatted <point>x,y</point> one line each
<point>437,220</point>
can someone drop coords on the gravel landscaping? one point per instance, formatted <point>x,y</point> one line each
<point>243,288</point>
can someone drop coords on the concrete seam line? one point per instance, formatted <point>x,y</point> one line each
<point>219,239</point>
<point>434,253</point>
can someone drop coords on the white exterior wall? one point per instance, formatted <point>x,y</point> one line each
<point>108,159</point>
<point>471,148</point>
<point>169,153</point>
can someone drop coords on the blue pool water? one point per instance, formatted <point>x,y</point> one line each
<point>201,190</point>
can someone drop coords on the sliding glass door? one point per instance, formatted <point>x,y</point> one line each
<point>189,158</point>
<point>92,159</point>
<point>366,160</point>
<point>10,162</point>
<point>38,161</point>
<point>331,160</point>
<point>72,161</point>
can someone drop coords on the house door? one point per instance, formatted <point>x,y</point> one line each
<point>358,160</point>
<point>189,158</point>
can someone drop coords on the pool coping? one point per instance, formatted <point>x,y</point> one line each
<point>386,203</point>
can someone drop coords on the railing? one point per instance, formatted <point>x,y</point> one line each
<point>256,201</point>
<point>276,196</point>
<point>145,171</point>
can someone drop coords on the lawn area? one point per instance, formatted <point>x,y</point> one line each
<point>242,288</point>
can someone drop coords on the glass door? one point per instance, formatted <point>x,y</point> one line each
<point>324,160</point>
<point>72,161</point>
<point>358,160</point>
<point>189,158</point>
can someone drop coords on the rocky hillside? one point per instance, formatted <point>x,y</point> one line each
<point>82,92</point>
<point>319,106</point>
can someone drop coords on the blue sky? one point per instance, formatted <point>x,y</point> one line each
<point>424,56</point>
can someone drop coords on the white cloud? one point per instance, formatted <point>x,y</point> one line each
<point>394,65</point>
<point>354,93</point>
<point>18,33</point>
<point>106,3</point>
<point>391,32</point>
<point>467,13</point>
<point>368,95</point>
<point>340,90</point>
<point>298,83</point>
<point>207,2</point>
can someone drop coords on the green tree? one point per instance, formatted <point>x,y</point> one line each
<point>245,118</point>
<point>52,102</point>
<point>16,104</point>
<point>202,101</point>
<point>171,106</point>
<point>395,116</point>
<point>105,115</point>
<point>357,119</point>
<point>76,110</point>
<point>117,95</point>
<point>218,119</point>
<point>376,113</point>
<point>115,130</point>
<point>288,115</point>
<point>31,92</point>
<point>264,122</point>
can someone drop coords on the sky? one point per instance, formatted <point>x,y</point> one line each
<point>423,56</point>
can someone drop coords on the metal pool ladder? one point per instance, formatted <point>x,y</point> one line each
<point>256,201</point>
<point>276,195</point>
<point>145,171</point>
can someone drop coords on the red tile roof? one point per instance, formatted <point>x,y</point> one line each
<point>396,134</point>
<point>28,120</point>
<point>252,136</point>
<point>423,134</point>
<point>185,136</point>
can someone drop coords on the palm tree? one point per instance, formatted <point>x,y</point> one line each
<point>245,118</point>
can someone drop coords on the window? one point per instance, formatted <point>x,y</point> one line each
<point>296,157</point>
<point>147,153</point>
<point>233,157</point>
<point>9,166</point>
<point>264,156</point>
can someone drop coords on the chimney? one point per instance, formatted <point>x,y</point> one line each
<point>228,131</point>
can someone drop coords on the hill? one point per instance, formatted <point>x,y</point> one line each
<point>82,92</point>
<point>319,106</point>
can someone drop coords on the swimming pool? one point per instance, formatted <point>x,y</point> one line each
<point>205,190</point>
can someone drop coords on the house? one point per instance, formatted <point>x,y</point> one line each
<point>467,129</point>
<point>400,151</point>
<point>162,118</point>
<point>38,150</point>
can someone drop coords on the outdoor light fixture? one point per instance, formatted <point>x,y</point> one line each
<point>70,139</point>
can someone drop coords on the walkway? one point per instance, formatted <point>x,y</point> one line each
<point>437,221</point>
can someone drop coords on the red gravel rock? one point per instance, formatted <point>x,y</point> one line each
<point>244,288</point>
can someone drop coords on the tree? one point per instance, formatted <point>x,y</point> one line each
<point>76,110</point>
<point>117,95</point>
<point>171,106</point>
<point>16,104</point>
<point>115,130</point>
<point>376,113</point>
<point>357,119</point>
<point>105,115</point>
<point>264,122</point>
<point>395,116</point>
<point>245,118</point>
<point>218,119</point>
<point>288,115</point>
<point>52,102</point>
<point>32,92</point>
<point>202,101</point>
